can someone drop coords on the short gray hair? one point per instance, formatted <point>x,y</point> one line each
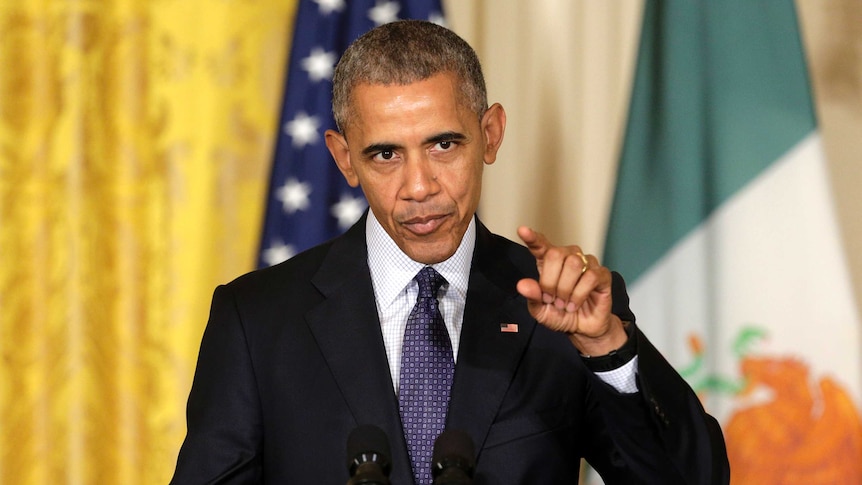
<point>405,52</point>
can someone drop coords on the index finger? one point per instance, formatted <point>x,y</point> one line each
<point>535,241</point>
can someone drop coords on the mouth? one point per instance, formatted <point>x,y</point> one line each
<point>424,225</point>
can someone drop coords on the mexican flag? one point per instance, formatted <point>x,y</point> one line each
<point>723,225</point>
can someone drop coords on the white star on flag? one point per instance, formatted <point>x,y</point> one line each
<point>302,129</point>
<point>384,12</point>
<point>348,210</point>
<point>319,64</point>
<point>329,6</point>
<point>294,195</point>
<point>277,253</point>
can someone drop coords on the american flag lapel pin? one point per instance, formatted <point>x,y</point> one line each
<point>509,327</point>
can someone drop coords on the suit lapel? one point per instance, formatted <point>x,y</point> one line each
<point>347,330</point>
<point>488,357</point>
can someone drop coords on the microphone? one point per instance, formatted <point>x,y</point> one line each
<point>454,459</point>
<point>368,456</point>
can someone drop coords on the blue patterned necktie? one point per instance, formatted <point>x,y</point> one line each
<point>427,368</point>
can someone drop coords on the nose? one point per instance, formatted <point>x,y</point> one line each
<point>420,179</point>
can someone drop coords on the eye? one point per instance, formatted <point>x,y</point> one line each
<point>385,155</point>
<point>445,145</point>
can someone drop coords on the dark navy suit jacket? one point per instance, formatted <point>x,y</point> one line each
<point>292,360</point>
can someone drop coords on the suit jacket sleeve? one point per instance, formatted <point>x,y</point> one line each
<point>661,434</point>
<point>223,440</point>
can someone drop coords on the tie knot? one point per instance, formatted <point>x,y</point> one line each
<point>429,282</point>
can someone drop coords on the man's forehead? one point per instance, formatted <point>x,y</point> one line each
<point>421,102</point>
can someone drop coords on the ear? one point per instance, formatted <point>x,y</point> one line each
<point>493,128</point>
<point>337,145</point>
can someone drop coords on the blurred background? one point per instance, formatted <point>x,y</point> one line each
<point>136,139</point>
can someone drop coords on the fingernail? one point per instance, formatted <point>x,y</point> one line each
<point>571,307</point>
<point>547,298</point>
<point>559,303</point>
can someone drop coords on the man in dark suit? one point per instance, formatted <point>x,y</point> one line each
<point>549,366</point>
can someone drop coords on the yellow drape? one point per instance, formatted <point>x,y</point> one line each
<point>135,139</point>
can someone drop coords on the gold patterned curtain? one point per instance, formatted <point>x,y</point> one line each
<point>135,138</point>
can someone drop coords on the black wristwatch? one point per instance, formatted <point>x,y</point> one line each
<point>616,358</point>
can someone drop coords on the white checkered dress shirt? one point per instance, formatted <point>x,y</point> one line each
<point>392,274</point>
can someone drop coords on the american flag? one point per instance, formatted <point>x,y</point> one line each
<point>308,201</point>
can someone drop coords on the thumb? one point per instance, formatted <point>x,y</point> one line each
<point>530,289</point>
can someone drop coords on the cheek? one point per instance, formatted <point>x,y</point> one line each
<point>380,194</point>
<point>466,187</point>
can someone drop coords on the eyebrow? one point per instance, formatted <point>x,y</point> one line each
<point>446,136</point>
<point>380,147</point>
<point>390,147</point>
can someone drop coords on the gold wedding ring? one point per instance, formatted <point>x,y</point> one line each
<point>585,261</point>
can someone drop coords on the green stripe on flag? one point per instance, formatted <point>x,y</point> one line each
<point>720,93</point>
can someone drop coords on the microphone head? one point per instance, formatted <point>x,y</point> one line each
<point>368,444</point>
<point>453,450</point>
